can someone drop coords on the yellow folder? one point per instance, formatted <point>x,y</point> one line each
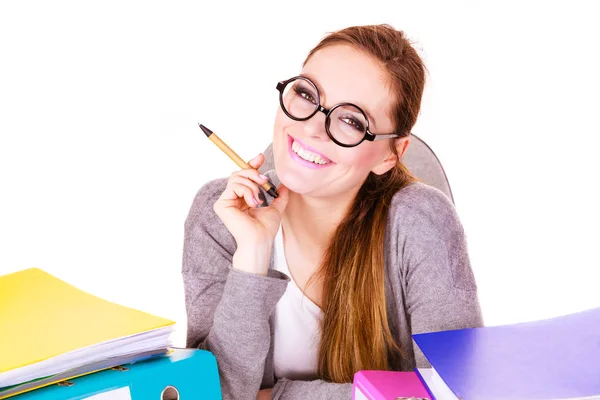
<point>42,317</point>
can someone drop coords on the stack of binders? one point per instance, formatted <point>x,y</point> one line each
<point>182,374</point>
<point>552,359</point>
<point>59,342</point>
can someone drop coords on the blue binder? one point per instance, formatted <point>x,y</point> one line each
<point>555,358</point>
<point>186,373</point>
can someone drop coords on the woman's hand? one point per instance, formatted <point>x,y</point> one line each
<point>264,394</point>
<point>253,228</point>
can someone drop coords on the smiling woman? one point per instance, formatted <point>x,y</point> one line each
<point>294,295</point>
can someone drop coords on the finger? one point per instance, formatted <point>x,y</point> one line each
<point>251,174</point>
<point>234,191</point>
<point>250,184</point>
<point>224,207</point>
<point>280,203</point>
<point>257,161</point>
<point>230,200</point>
<point>245,192</point>
<point>253,178</point>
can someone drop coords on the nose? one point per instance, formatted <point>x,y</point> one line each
<point>315,127</point>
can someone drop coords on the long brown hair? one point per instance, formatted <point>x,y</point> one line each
<point>355,334</point>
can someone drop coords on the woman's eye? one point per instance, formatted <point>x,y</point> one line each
<point>353,123</point>
<point>305,95</point>
<point>308,97</point>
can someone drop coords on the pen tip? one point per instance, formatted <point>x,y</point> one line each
<point>206,131</point>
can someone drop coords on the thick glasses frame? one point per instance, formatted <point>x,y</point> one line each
<point>370,136</point>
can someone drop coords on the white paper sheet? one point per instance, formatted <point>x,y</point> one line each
<point>117,394</point>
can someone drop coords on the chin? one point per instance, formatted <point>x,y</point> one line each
<point>293,181</point>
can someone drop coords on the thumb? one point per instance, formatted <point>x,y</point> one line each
<point>280,203</point>
<point>257,161</point>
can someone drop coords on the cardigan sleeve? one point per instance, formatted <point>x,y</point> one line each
<point>227,310</point>
<point>439,284</point>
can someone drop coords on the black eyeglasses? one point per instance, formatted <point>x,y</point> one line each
<point>346,124</point>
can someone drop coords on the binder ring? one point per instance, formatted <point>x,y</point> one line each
<point>169,393</point>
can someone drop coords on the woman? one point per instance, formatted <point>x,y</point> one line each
<point>294,295</point>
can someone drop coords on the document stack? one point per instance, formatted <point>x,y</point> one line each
<point>51,331</point>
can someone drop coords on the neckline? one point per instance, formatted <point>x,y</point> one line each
<point>283,265</point>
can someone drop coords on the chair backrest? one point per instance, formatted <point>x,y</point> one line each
<point>419,158</point>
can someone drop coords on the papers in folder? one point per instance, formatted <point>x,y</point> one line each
<point>48,327</point>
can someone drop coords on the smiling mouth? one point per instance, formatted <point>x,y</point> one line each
<point>309,155</point>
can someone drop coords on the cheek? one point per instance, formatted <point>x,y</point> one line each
<point>361,157</point>
<point>281,121</point>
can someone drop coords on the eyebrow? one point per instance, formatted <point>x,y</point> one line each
<point>372,123</point>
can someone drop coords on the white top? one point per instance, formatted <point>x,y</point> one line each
<point>297,326</point>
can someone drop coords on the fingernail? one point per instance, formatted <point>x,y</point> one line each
<point>255,201</point>
<point>263,177</point>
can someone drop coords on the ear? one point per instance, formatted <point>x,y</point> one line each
<point>392,159</point>
<point>402,145</point>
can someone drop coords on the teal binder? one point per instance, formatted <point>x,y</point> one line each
<point>183,374</point>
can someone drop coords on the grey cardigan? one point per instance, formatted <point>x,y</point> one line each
<point>429,287</point>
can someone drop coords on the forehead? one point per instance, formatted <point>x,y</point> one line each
<point>345,74</point>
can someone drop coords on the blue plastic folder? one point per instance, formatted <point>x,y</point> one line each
<point>188,373</point>
<point>556,358</point>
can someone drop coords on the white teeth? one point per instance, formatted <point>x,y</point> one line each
<point>307,155</point>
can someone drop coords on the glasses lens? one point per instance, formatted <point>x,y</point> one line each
<point>347,124</point>
<point>300,98</point>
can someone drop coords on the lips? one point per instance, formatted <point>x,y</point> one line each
<point>301,161</point>
<point>312,150</point>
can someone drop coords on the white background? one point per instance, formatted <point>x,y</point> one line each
<point>100,154</point>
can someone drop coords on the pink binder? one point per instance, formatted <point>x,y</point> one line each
<point>388,385</point>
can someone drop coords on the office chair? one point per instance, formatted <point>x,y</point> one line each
<point>419,158</point>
